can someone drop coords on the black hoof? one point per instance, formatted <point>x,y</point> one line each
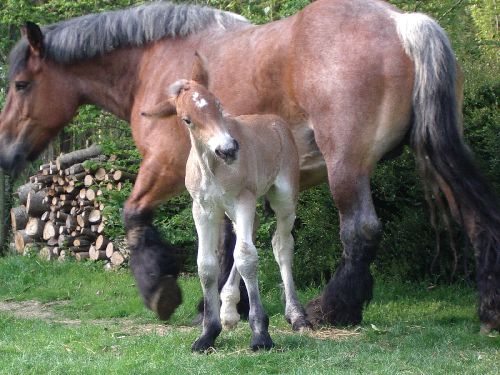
<point>166,298</point>
<point>262,341</point>
<point>302,325</point>
<point>203,344</point>
<point>314,313</point>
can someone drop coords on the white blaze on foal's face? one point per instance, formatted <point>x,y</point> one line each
<point>199,102</point>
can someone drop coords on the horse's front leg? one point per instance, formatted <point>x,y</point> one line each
<point>154,263</point>
<point>247,261</point>
<point>207,221</point>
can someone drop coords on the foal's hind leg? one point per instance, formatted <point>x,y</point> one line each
<point>230,296</point>
<point>282,202</point>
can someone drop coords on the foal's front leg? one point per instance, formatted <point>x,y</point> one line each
<point>207,222</point>
<point>247,261</point>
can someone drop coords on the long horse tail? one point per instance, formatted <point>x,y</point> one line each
<point>445,162</point>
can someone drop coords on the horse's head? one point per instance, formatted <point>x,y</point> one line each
<point>39,102</point>
<point>200,111</point>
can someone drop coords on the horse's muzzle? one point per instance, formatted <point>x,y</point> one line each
<point>12,159</point>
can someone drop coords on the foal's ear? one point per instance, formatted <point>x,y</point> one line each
<point>163,109</point>
<point>34,34</point>
<point>199,73</point>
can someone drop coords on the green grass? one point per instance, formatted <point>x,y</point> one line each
<point>99,326</point>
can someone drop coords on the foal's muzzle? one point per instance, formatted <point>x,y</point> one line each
<point>228,152</point>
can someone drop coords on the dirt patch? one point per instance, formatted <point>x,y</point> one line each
<point>121,327</point>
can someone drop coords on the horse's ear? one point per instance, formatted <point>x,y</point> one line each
<point>200,73</point>
<point>34,34</point>
<point>163,109</point>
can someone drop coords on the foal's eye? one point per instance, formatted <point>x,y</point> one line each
<point>22,85</point>
<point>187,121</point>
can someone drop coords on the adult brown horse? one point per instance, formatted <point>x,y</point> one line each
<point>354,78</point>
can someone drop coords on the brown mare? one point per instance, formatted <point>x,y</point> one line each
<point>354,79</point>
<point>233,161</point>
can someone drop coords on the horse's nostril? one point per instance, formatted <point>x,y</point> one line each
<point>236,145</point>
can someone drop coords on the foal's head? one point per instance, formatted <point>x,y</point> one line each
<point>200,111</point>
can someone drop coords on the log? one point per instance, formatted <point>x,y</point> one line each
<point>62,256</point>
<point>95,216</point>
<point>18,217</point>
<point>95,254</point>
<point>46,216</point>
<point>63,240</point>
<point>117,259</point>
<point>61,216</point>
<point>82,220</point>
<point>88,234</point>
<point>34,227</point>
<point>54,241</point>
<point>81,242</point>
<point>21,239</point>
<point>46,253</point>
<point>34,205</point>
<point>101,242</point>
<point>56,251</point>
<point>88,180</point>
<point>43,180</point>
<point>101,227</point>
<point>71,223</point>
<point>50,230</point>
<point>71,158</point>
<point>79,249</point>
<point>123,176</point>
<point>110,249</point>
<point>82,255</point>
<point>90,194</point>
<point>100,174</point>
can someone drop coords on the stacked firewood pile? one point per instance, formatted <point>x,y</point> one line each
<point>61,211</point>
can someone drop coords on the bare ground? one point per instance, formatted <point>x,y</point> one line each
<point>45,312</point>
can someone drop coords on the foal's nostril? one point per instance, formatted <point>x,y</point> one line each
<point>236,145</point>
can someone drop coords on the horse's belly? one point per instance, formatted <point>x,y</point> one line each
<point>312,164</point>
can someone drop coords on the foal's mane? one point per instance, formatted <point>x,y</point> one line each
<point>96,34</point>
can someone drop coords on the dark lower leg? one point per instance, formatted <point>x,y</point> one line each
<point>487,252</point>
<point>155,264</point>
<point>350,289</point>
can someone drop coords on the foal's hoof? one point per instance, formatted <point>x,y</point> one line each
<point>202,344</point>
<point>262,341</point>
<point>166,298</point>
<point>487,328</point>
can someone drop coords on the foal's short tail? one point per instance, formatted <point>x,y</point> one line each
<point>444,160</point>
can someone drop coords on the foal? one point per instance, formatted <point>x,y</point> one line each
<point>232,162</point>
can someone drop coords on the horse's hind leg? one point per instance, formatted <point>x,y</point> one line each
<point>351,287</point>
<point>282,201</point>
<point>246,261</point>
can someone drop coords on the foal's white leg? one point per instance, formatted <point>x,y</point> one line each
<point>230,293</point>
<point>247,261</point>
<point>230,296</point>
<point>283,203</point>
<point>207,221</point>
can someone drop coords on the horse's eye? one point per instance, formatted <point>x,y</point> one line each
<point>22,85</point>
<point>187,121</point>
